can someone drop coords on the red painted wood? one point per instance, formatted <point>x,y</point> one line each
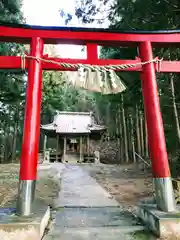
<point>169,66</point>
<point>91,39</point>
<point>30,144</point>
<point>14,62</point>
<point>92,53</point>
<point>156,138</point>
<point>12,34</point>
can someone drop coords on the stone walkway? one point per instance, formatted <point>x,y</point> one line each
<point>84,210</point>
<point>81,190</point>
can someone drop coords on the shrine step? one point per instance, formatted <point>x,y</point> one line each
<point>93,223</point>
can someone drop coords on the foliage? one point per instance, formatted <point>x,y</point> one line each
<point>138,15</point>
<point>12,87</point>
<point>59,95</point>
<point>62,96</point>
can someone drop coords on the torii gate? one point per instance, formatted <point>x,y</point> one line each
<point>37,36</point>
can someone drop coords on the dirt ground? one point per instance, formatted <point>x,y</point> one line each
<point>47,187</point>
<point>127,183</point>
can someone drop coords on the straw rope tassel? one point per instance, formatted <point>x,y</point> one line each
<point>88,73</point>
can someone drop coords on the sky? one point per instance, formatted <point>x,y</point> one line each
<point>46,13</point>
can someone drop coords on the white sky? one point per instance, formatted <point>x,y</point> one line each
<point>46,13</point>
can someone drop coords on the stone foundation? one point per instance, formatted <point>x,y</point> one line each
<point>25,228</point>
<point>162,224</point>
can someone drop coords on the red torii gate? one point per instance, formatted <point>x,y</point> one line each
<point>37,36</point>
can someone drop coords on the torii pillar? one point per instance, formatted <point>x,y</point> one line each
<point>29,156</point>
<point>160,166</point>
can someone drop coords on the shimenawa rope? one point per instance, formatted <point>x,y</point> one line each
<point>88,66</point>
<point>101,74</point>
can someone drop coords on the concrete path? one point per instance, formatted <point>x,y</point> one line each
<point>84,210</point>
<point>81,190</point>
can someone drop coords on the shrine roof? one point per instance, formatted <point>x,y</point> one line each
<point>73,123</point>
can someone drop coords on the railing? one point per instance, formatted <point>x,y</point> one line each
<point>143,160</point>
<point>175,181</point>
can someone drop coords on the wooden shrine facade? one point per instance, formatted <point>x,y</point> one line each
<point>73,132</point>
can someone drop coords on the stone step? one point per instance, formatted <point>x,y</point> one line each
<point>86,211</point>
<point>99,233</point>
<point>93,217</point>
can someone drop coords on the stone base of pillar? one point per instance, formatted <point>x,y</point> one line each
<point>165,199</point>
<point>25,200</point>
<point>31,227</point>
<point>164,225</point>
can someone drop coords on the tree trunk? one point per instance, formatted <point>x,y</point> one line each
<point>7,147</point>
<point>174,106</point>
<point>132,139</point>
<point>14,141</point>
<point>97,113</point>
<point>124,131</point>
<point>129,135</point>
<point>146,140</point>
<point>44,143</point>
<point>108,119</point>
<point>138,141</point>
<point>3,148</point>
<point>121,134</point>
<point>118,134</point>
<point>142,132</point>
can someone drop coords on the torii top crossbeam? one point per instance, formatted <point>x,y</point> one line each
<point>55,35</point>
<point>91,38</point>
